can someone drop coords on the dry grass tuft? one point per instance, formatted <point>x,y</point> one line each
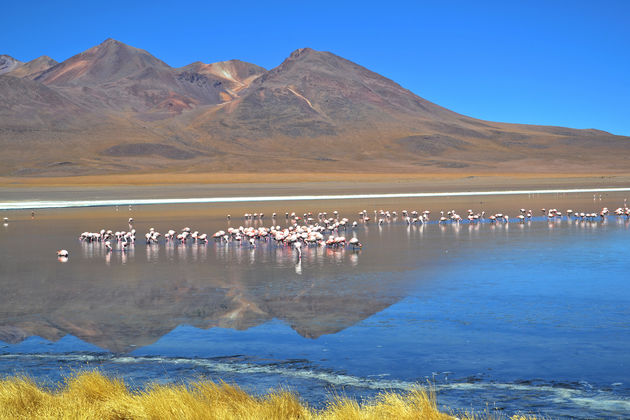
<point>21,395</point>
<point>91,395</point>
<point>416,404</point>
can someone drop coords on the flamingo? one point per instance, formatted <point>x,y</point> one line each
<point>340,241</point>
<point>354,243</point>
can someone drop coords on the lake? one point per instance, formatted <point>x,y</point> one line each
<point>531,317</point>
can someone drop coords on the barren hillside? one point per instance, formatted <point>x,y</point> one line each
<point>116,109</point>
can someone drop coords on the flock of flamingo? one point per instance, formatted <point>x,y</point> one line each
<point>318,230</point>
<point>326,232</point>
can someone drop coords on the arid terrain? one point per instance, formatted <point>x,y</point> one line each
<point>116,109</point>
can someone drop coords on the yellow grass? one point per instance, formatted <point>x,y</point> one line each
<point>91,395</point>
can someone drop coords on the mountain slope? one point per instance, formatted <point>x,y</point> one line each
<point>126,110</point>
<point>316,93</point>
<point>109,61</point>
<point>8,63</point>
<point>236,74</point>
<point>341,111</point>
<point>26,103</point>
<point>33,68</point>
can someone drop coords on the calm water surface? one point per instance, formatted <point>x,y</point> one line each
<point>526,318</point>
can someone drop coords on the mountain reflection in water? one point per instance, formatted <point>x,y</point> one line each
<point>123,300</point>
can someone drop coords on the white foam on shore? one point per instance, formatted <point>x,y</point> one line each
<point>558,394</point>
<point>28,204</point>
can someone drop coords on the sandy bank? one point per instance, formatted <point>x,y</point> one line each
<point>425,180</point>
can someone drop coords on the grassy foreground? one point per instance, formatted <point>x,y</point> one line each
<point>91,395</point>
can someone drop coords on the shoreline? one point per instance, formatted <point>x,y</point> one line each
<point>167,178</point>
<point>97,395</point>
<point>56,204</point>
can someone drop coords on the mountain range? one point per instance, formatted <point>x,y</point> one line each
<point>118,109</point>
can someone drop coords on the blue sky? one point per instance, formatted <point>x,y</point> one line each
<point>559,62</point>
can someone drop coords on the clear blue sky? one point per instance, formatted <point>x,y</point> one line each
<point>543,62</point>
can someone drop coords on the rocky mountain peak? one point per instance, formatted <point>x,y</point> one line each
<point>109,61</point>
<point>8,63</point>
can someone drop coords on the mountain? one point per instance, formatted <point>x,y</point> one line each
<point>118,77</point>
<point>336,110</point>
<point>123,109</point>
<point>106,62</point>
<point>318,93</point>
<point>8,63</point>
<point>33,68</point>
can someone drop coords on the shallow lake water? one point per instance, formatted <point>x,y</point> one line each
<point>530,317</point>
